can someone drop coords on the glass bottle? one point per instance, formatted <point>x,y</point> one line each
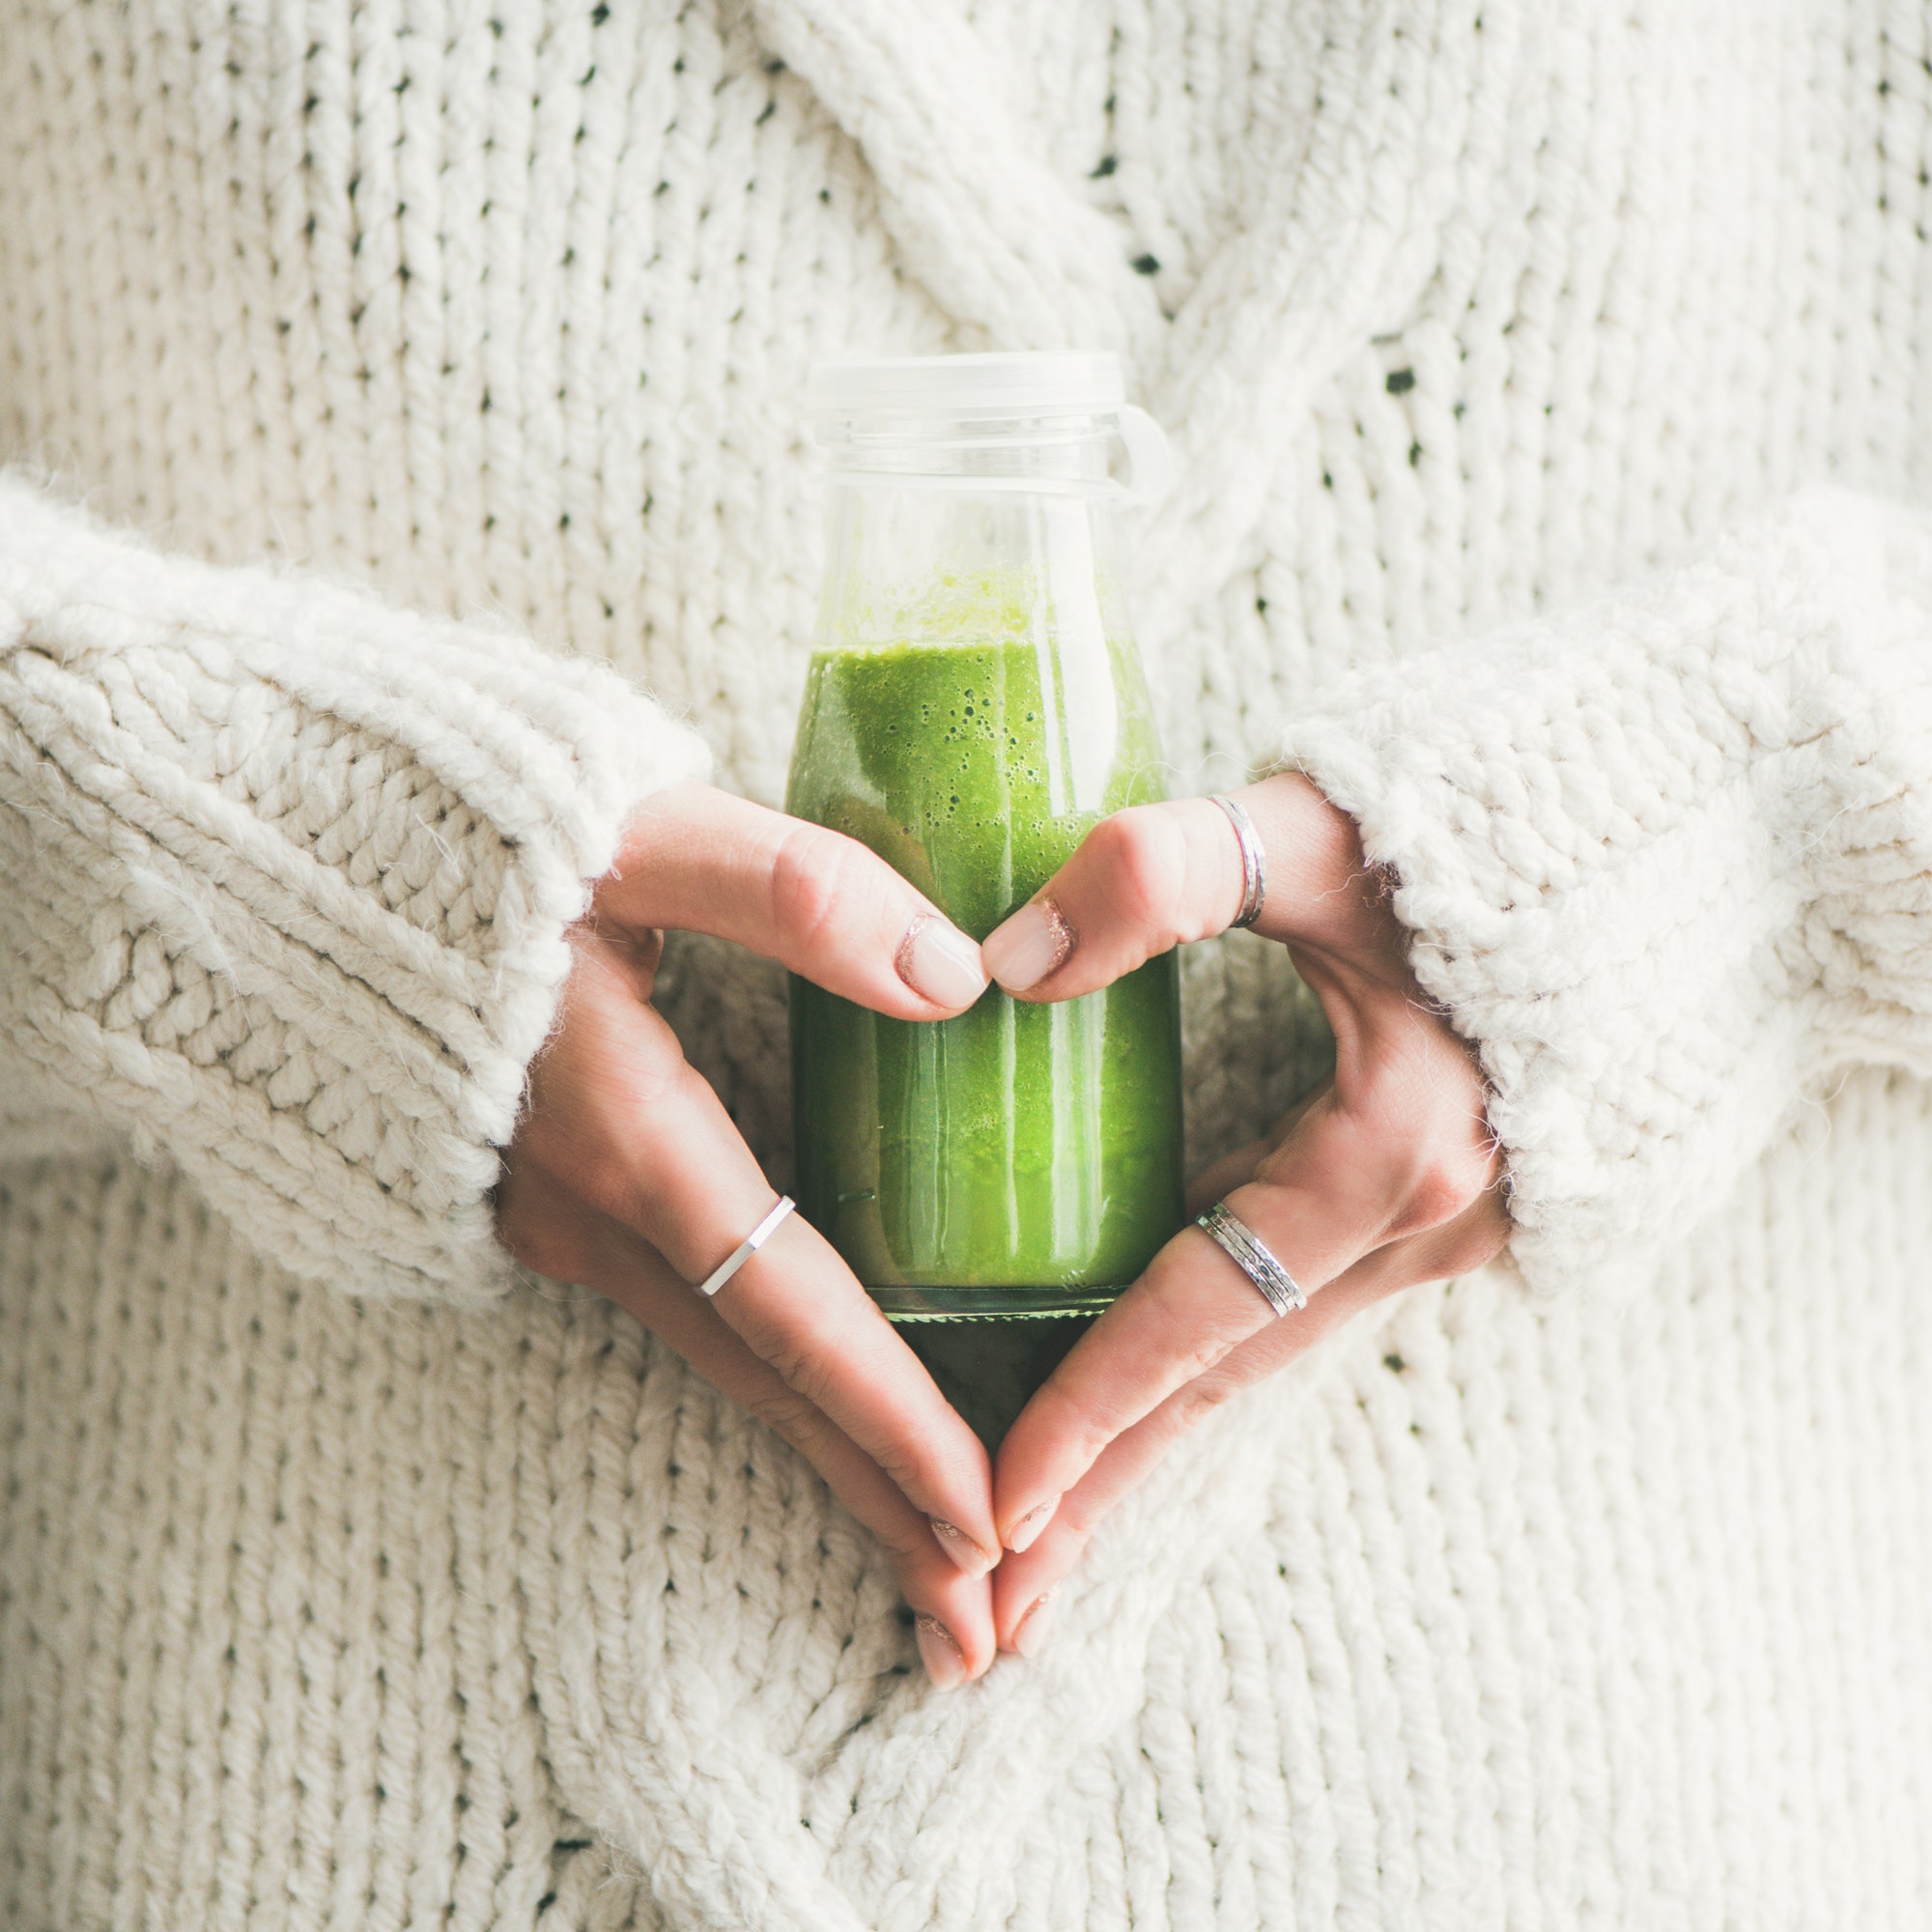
<point>975,703</point>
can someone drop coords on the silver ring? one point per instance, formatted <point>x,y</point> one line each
<point>1254,861</point>
<point>746,1248</point>
<point>1251,1255</point>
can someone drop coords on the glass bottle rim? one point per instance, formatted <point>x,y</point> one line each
<point>1003,385</point>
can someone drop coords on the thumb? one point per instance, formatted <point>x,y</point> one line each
<point>1163,875</point>
<point>695,859</point>
<point>1142,880</point>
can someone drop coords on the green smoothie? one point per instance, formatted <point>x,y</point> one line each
<point>1018,1159</point>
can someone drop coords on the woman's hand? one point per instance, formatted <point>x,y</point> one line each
<point>1383,1179</point>
<point>626,1175</point>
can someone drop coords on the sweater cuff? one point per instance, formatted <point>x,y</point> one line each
<point>1628,845</point>
<point>290,872</point>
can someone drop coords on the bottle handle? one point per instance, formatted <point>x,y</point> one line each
<point>1149,457</point>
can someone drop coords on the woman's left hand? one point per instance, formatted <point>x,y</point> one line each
<point>1386,1177</point>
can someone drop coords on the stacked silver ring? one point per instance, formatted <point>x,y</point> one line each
<point>1250,1254</point>
<point>1254,860</point>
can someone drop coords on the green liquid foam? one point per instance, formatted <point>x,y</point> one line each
<point>1030,1150</point>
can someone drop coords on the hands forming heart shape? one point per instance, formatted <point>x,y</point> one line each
<point>626,1174</point>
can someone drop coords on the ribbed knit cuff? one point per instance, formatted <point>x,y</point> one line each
<point>288,878</point>
<point>1645,851</point>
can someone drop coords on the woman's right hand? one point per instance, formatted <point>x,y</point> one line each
<point>626,1175</point>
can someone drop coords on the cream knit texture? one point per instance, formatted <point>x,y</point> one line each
<point>287,874</point>
<point>1550,386</point>
<point>1667,859</point>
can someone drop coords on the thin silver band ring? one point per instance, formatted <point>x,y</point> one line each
<point>746,1248</point>
<point>1254,860</point>
<point>1252,1256</point>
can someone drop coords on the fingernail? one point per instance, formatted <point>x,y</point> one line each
<point>1026,1532</point>
<point>1028,946</point>
<point>1036,1626</point>
<point>937,959</point>
<point>939,1651</point>
<point>963,1551</point>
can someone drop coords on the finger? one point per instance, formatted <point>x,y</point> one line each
<point>1320,1202</point>
<point>954,1610</point>
<point>1023,1580</point>
<point>1142,881</point>
<point>697,860</point>
<point>1163,875</point>
<point>1413,1154</point>
<point>1228,1173</point>
<point>631,1129</point>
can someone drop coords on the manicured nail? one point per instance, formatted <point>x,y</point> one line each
<point>1028,946</point>
<point>1026,1532</point>
<point>1036,1626</point>
<point>963,1551</point>
<point>939,1651</point>
<point>937,959</point>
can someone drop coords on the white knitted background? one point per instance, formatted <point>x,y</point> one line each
<point>331,1613</point>
<point>322,1613</point>
<point>1668,858</point>
<point>1453,308</point>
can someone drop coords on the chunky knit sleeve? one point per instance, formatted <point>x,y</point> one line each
<point>1666,860</point>
<point>284,878</point>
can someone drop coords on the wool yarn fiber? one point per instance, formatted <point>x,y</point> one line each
<point>404,477</point>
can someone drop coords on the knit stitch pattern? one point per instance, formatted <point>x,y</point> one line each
<point>1498,341</point>
<point>287,878</point>
<point>1667,860</point>
<point>1500,1611</point>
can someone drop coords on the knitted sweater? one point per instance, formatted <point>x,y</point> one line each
<point>441,351</point>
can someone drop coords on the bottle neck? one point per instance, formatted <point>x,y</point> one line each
<point>1061,455</point>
